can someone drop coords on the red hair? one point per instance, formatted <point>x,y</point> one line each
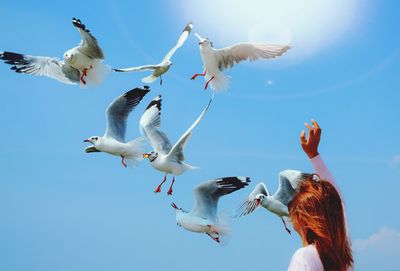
<point>317,214</point>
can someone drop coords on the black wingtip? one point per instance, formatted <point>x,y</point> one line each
<point>156,101</point>
<point>13,58</point>
<point>77,23</point>
<point>188,27</point>
<point>231,184</point>
<point>134,96</point>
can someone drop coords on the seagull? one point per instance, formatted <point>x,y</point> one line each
<point>277,203</point>
<point>80,64</point>
<point>113,141</point>
<point>217,60</point>
<point>162,67</point>
<point>165,157</point>
<point>203,217</point>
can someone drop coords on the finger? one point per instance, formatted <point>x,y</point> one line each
<point>303,139</point>
<point>308,126</point>
<point>315,123</point>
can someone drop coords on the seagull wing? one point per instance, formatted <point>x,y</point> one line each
<point>42,66</point>
<point>138,68</point>
<point>249,205</point>
<point>176,152</point>
<point>285,191</point>
<point>182,38</point>
<point>118,111</point>
<point>88,44</point>
<point>295,177</point>
<point>229,56</point>
<point>149,124</point>
<point>207,194</point>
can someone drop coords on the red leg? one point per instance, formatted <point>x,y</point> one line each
<point>213,230</point>
<point>170,188</point>
<point>123,159</point>
<point>158,189</point>
<point>198,74</point>
<point>216,239</point>
<point>286,228</point>
<point>206,86</point>
<point>84,74</point>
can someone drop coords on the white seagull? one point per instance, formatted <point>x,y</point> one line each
<point>80,65</point>
<point>165,157</point>
<point>217,60</point>
<point>203,217</point>
<point>277,203</point>
<point>162,67</point>
<point>113,141</point>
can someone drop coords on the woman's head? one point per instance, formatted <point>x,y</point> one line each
<point>317,215</point>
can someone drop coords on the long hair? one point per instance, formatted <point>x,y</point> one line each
<point>317,211</point>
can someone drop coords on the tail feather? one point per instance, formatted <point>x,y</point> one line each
<point>220,82</point>
<point>97,73</point>
<point>149,79</point>
<point>137,147</point>
<point>223,227</point>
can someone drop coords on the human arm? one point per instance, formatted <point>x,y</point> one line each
<point>310,146</point>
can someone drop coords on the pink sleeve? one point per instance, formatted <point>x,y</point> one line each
<point>322,170</point>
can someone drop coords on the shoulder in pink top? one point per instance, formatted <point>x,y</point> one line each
<point>306,259</point>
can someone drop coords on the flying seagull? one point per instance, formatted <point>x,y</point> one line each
<point>203,217</point>
<point>113,141</point>
<point>217,60</point>
<point>165,157</point>
<point>277,203</point>
<point>81,64</point>
<point>162,67</point>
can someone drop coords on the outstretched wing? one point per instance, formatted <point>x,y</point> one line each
<point>229,56</point>
<point>118,112</point>
<point>88,44</point>
<point>207,194</point>
<point>42,66</point>
<point>149,124</point>
<point>249,205</point>
<point>176,152</point>
<point>138,68</point>
<point>182,38</point>
<point>286,191</point>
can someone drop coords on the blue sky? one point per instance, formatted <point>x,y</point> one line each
<point>63,209</point>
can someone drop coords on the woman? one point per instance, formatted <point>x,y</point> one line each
<point>317,215</point>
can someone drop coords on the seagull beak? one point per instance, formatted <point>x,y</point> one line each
<point>146,155</point>
<point>201,40</point>
<point>174,206</point>
<point>258,202</point>
<point>86,140</point>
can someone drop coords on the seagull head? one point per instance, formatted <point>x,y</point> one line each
<point>259,199</point>
<point>151,156</point>
<point>168,63</point>
<point>95,140</point>
<point>68,56</point>
<point>203,41</point>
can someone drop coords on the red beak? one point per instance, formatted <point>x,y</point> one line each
<point>258,202</point>
<point>86,140</point>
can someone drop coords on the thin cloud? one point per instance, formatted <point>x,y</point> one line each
<point>385,238</point>
<point>395,161</point>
